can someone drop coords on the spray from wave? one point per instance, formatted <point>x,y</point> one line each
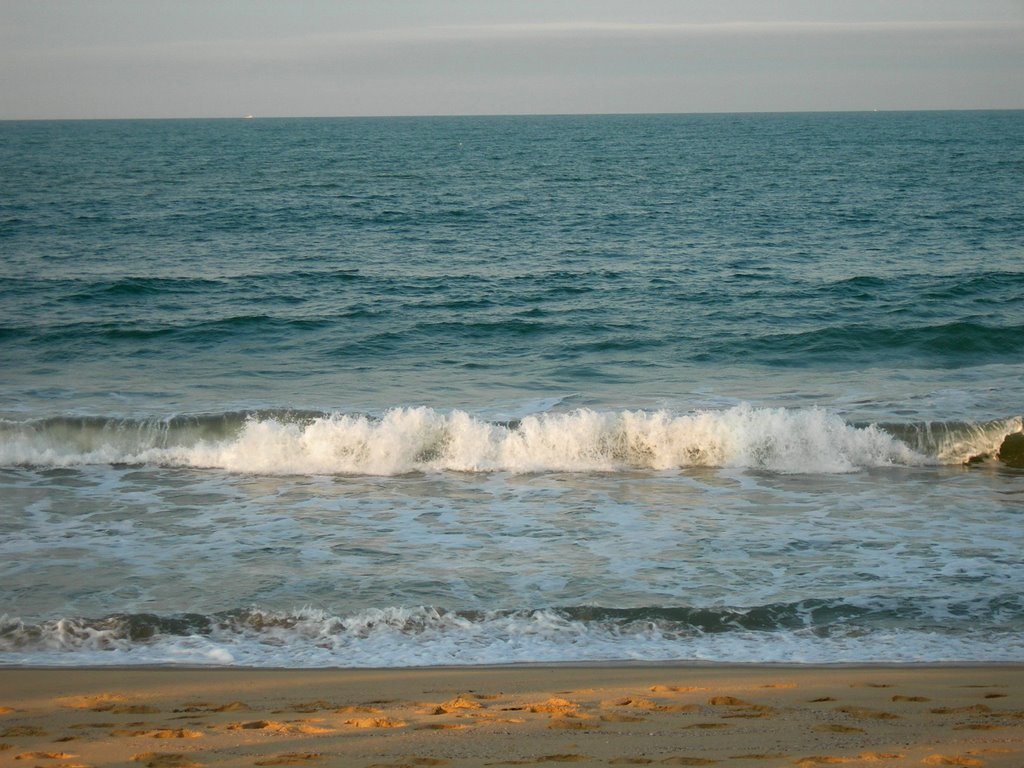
<point>420,439</point>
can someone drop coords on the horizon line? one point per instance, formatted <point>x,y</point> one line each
<point>248,116</point>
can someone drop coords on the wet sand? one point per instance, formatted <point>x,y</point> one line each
<point>735,716</point>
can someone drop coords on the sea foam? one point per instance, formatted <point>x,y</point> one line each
<point>427,636</point>
<point>421,439</point>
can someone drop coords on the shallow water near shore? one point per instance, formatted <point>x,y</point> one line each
<point>494,390</point>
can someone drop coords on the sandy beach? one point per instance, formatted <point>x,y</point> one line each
<point>588,715</point>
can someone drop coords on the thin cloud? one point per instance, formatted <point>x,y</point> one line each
<point>688,29</point>
<point>542,66</point>
<point>287,47</point>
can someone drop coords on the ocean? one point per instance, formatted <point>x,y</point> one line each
<point>487,390</point>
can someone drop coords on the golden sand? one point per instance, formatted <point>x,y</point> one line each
<point>731,716</point>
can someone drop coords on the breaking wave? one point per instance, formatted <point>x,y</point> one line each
<point>806,631</point>
<point>420,439</point>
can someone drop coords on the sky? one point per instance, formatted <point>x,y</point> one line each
<point>228,58</point>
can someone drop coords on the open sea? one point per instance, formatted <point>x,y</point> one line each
<point>480,390</point>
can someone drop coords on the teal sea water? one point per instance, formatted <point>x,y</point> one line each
<point>391,392</point>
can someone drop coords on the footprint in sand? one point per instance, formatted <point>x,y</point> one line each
<point>313,706</point>
<point>563,713</point>
<point>487,715</point>
<point>978,709</point>
<point>232,706</point>
<point>616,717</point>
<point>44,756</point>
<point>291,758</point>
<point>99,702</point>
<point>374,722</point>
<point>508,762</point>
<point>863,713</point>
<point>741,708</point>
<point>127,709</point>
<point>727,701</point>
<point>459,703</point>
<point>174,733</point>
<point>357,709</point>
<point>760,756</point>
<point>570,725</point>
<point>165,760</point>
<point>160,733</point>
<point>837,728</point>
<point>752,712</point>
<point>897,697</point>
<point>201,706</point>
<point>951,760</point>
<point>23,730</point>
<point>276,726</point>
<point>562,758</point>
<point>554,706</point>
<point>676,760</point>
<point>649,706</point>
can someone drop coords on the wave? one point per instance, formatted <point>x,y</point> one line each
<point>420,439</point>
<point>955,442</point>
<point>954,344</point>
<point>875,628</point>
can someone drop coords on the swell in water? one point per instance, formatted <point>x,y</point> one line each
<point>421,439</point>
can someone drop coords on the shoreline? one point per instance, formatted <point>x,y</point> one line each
<point>637,713</point>
<point>584,664</point>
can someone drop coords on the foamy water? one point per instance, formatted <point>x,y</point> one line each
<point>421,439</point>
<point>440,567</point>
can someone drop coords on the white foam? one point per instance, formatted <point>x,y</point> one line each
<point>419,439</point>
<point>410,637</point>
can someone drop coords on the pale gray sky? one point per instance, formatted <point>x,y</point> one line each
<point>195,58</point>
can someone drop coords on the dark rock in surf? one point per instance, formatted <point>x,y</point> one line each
<point>1011,452</point>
